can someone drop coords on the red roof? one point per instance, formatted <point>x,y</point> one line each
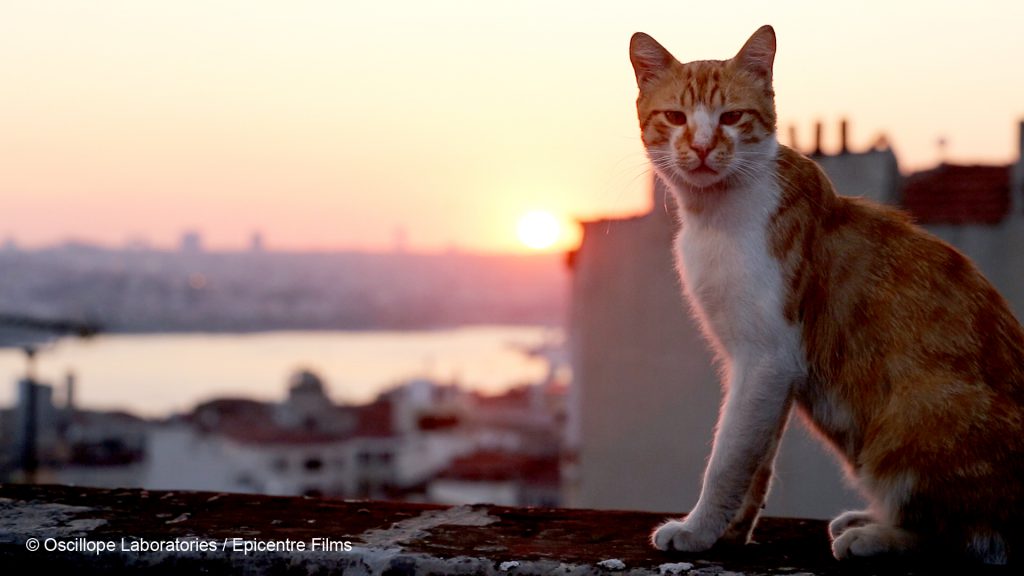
<point>496,466</point>
<point>277,436</point>
<point>252,422</point>
<point>951,194</point>
<point>374,420</point>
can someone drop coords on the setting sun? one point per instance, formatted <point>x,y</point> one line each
<point>538,229</point>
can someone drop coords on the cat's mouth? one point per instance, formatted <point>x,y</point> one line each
<point>701,176</point>
<point>695,172</point>
<point>704,169</point>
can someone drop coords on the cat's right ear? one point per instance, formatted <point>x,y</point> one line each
<point>649,58</point>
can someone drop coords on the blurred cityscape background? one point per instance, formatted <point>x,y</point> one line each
<point>354,251</point>
<point>616,400</point>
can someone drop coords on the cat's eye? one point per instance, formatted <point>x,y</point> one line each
<point>730,118</point>
<point>675,117</point>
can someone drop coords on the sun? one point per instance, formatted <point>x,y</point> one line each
<point>538,229</point>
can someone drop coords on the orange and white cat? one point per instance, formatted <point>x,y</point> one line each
<point>888,341</point>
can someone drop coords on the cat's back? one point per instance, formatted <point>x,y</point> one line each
<point>903,334</point>
<point>867,269</point>
<point>897,290</point>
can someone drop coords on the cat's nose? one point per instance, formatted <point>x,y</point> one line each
<point>701,151</point>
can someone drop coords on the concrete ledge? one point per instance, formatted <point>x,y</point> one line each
<point>116,531</point>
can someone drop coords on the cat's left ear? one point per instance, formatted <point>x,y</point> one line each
<point>758,54</point>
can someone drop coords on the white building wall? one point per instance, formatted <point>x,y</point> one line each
<point>874,174</point>
<point>178,458</point>
<point>422,456</point>
<point>335,474</point>
<point>458,492</point>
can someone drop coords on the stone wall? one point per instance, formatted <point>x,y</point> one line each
<point>148,532</point>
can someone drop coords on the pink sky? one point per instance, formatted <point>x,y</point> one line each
<point>333,125</point>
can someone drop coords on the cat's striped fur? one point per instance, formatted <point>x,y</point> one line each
<point>889,341</point>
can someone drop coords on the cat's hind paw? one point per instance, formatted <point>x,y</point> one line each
<point>679,536</point>
<point>848,520</point>
<point>873,540</point>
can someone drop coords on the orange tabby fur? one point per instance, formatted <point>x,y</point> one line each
<point>905,332</point>
<point>912,364</point>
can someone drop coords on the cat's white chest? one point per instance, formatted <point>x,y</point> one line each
<point>734,283</point>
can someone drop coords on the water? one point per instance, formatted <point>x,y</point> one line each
<point>159,374</point>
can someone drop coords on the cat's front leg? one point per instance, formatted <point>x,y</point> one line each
<point>756,406</point>
<point>742,526</point>
<point>739,530</point>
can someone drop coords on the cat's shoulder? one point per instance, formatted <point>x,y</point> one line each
<point>796,170</point>
<point>803,182</point>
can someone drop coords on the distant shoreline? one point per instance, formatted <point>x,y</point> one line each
<point>159,373</point>
<point>175,292</point>
<point>361,330</point>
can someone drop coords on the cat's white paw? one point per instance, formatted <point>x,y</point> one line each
<point>682,537</point>
<point>872,540</point>
<point>848,520</point>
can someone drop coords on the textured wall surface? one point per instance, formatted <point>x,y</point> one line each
<point>382,538</point>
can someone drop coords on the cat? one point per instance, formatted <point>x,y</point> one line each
<point>888,341</point>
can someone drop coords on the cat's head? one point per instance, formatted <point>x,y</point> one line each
<point>709,122</point>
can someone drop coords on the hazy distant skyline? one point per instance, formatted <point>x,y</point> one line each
<point>346,125</point>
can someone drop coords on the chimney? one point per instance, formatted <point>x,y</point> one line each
<point>1017,176</point>
<point>817,139</point>
<point>1020,141</point>
<point>28,423</point>
<point>69,396</point>
<point>843,148</point>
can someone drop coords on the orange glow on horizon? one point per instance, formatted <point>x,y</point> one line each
<point>329,125</point>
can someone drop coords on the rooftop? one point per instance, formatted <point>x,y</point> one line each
<point>252,422</point>
<point>382,538</point>
<point>954,194</point>
<point>498,466</point>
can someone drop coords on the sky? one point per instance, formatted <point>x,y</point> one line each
<point>346,124</point>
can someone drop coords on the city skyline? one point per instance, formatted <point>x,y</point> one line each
<point>364,126</point>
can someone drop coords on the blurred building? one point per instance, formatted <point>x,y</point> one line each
<point>392,448</point>
<point>191,242</point>
<point>239,445</point>
<point>37,426</point>
<point>256,243</point>
<point>46,438</point>
<point>304,445</point>
<point>502,478</point>
<point>106,449</point>
<point>645,394</point>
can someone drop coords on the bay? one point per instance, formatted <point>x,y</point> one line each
<point>156,375</point>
